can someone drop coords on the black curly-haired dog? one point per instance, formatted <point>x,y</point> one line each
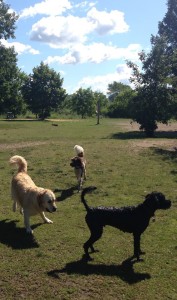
<point>133,219</point>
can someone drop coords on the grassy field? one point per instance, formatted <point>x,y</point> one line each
<point>125,166</point>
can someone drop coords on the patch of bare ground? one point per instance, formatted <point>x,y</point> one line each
<point>21,145</point>
<point>63,120</point>
<point>167,143</point>
<point>133,126</point>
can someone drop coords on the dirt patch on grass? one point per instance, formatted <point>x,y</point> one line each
<point>21,145</point>
<point>133,126</point>
<point>167,143</point>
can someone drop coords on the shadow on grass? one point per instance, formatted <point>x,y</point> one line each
<point>141,135</point>
<point>124,271</point>
<point>166,154</point>
<point>65,193</point>
<point>16,238</point>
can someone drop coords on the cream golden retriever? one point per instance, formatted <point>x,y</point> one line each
<point>31,199</point>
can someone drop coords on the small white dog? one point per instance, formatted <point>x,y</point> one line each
<point>31,199</point>
<point>78,162</point>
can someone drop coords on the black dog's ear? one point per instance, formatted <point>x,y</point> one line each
<point>151,200</point>
<point>152,195</point>
<point>147,196</point>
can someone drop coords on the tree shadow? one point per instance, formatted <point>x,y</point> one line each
<point>15,237</point>
<point>67,193</point>
<point>167,154</point>
<point>141,135</point>
<point>125,271</point>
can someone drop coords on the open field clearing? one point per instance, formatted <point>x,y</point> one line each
<point>125,166</point>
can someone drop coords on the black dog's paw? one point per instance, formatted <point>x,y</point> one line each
<point>87,258</point>
<point>136,258</point>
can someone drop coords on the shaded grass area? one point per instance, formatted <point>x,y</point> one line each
<point>141,135</point>
<point>50,264</point>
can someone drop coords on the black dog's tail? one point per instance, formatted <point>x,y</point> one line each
<point>84,192</point>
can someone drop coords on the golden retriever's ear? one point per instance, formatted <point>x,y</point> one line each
<point>40,198</point>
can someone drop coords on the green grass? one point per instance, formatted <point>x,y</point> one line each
<point>49,266</point>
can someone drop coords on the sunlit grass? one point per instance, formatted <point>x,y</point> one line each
<point>49,266</point>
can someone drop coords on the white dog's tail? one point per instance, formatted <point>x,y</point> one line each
<point>20,162</point>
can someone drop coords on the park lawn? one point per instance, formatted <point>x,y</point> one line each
<point>125,166</point>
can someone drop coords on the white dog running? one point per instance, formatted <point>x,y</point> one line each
<point>79,164</point>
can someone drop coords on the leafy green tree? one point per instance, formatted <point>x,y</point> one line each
<point>7,21</point>
<point>119,103</point>
<point>11,78</point>
<point>43,91</point>
<point>83,102</point>
<point>11,81</point>
<point>156,83</point>
<point>114,89</point>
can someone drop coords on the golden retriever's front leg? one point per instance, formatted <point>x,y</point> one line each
<point>27,222</point>
<point>45,219</point>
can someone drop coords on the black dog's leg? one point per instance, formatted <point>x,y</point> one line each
<point>95,236</point>
<point>137,250</point>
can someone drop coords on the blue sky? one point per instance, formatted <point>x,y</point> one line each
<point>88,42</point>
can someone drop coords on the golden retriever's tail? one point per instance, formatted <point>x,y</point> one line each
<point>20,162</point>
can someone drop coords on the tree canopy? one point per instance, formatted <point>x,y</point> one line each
<point>10,76</point>
<point>43,91</point>
<point>83,102</point>
<point>7,21</point>
<point>156,83</point>
<point>119,100</point>
<point>11,80</point>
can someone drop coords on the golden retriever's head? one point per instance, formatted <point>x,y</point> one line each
<point>46,201</point>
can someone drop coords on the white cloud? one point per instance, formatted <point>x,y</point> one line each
<point>85,4</point>
<point>62,32</point>
<point>100,83</point>
<point>20,48</point>
<point>96,53</point>
<point>46,7</point>
<point>107,22</point>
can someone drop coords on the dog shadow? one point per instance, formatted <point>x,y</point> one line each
<point>67,193</point>
<point>15,237</point>
<point>125,271</point>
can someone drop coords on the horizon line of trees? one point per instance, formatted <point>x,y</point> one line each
<point>153,100</point>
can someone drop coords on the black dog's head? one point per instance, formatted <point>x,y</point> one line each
<point>157,200</point>
<point>76,162</point>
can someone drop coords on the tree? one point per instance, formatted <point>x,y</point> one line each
<point>11,81</point>
<point>83,102</point>
<point>119,101</point>
<point>114,89</point>
<point>43,91</point>
<point>101,104</point>
<point>11,77</point>
<point>7,21</point>
<point>156,83</point>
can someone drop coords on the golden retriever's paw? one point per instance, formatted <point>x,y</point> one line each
<point>48,221</point>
